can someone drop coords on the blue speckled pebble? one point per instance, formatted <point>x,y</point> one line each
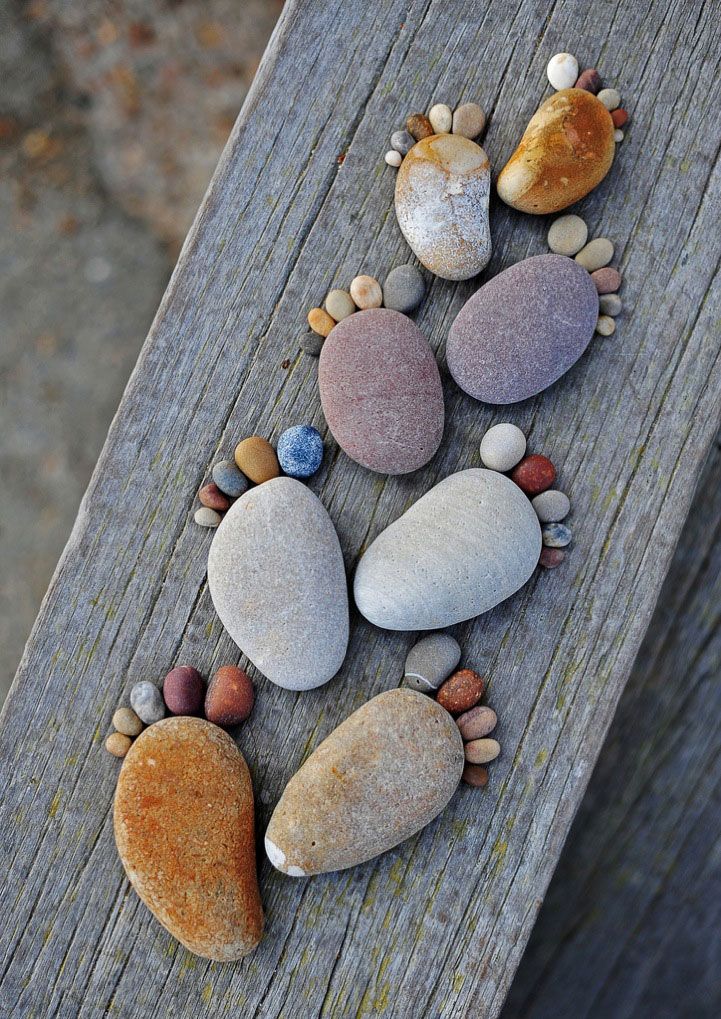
<point>230,479</point>
<point>300,451</point>
<point>556,535</point>
<point>147,702</point>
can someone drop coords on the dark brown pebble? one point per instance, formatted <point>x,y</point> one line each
<point>607,280</point>
<point>460,691</point>
<point>475,775</point>
<point>534,474</point>
<point>551,557</point>
<point>619,117</point>
<point>419,126</point>
<point>211,496</point>
<point>590,81</point>
<point>183,691</point>
<point>230,696</point>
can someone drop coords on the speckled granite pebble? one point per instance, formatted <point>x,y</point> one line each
<point>567,235</point>
<point>381,391</point>
<point>556,535</point>
<point>380,777</point>
<point>462,548</point>
<point>477,723</point>
<point>146,701</point>
<point>431,661</point>
<point>184,828</point>
<point>461,692</point>
<point>523,329</point>
<point>551,506</point>
<point>402,141</point>
<point>595,254</point>
<point>403,289</point>
<point>502,447</point>
<point>229,478</point>
<point>300,451</point>
<point>277,580</point>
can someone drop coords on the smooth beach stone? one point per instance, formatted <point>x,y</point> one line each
<point>610,304</point>
<point>606,280</point>
<point>556,535</point>
<point>610,98</point>
<point>431,661</point>
<point>534,474</point>
<point>550,558</point>
<point>595,254</point>
<point>462,548</point>
<point>562,70</point>
<point>567,235</point>
<point>366,292</point>
<point>393,158</point>
<point>502,447</point>
<point>605,326</point>
<point>320,321</point>
<point>461,692</point>
<point>441,118</point>
<point>619,118</point>
<point>477,723</point>
<point>229,478</point>
<point>310,343</point>
<point>184,828</point>
<point>475,775</point>
<point>127,722</point>
<point>257,459</point>
<point>147,702</point>
<point>230,696</point>
<point>522,330</point>
<point>118,744</point>
<point>482,751</point>
<point>300,451</point>
<point>403,289</point>
<point>379,778</point>
<point>402,141</point>
<point>184,691</point>
<point>277,581</point>
<point>618,136</point>
<point>469,120</point>
<point>381,391</point>
<point>419,126</point>
<point>212,497</point>
<point>590,80</point>
<point>441,202</point>
<point>551,506</point>
<point>565,152</point>
<point>207,517</point>
<point>339,304</point>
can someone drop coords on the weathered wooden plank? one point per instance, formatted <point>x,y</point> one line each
<point>630,925</point>
<point>438,926</point>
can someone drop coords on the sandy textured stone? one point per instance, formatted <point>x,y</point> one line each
<point>184,829</point>
<point>462,548</point>
<point>277,580</point>
<point>523,329</point>
<point>380,777</point>
<point>441,201</point>
<point>381,391</point>
<point>565,152</point>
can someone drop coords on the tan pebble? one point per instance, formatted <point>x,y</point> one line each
<point>419,126</point>
<point>567,235</point>
<point>366,292</point>
<point>475,775</point>
<point>118,744</point>
<point>469,120</point>
<point>481,751</point>
<point>477,722</point>
<point>339,305</point>
<point>610,98</point>
<point>207,517</point>
<point>127,722</point>
<point>605,325</point>
<point>618,135</point>
<point>595,254</point>
<point>441,118</point>
<point>257,459</point>
<point>320,321</point>
<point>393,158</point>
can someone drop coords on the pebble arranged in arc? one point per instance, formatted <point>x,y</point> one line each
<point>127,722</point>
<point>562,71</point>
<point>211,496</point>
<point>441,118</point>
<point>402,141</point>
<point>300,451</point>
<point>230,696</point>
<point>147,702</point>
<point>118,744</point>
<point>339,305</point>
<point>206,517</point>
<point>550,558</point>
<point>468,120</point>
<point>312,344</point>
<point>403,289</point>
<point>478,722</point>
<point>482,751</point>
<point>534,474</point>
<point>366,292</point>
<point>461,691</point>
<point>431,661</point>
<point>229,478</point>
<point>257,459</point>
<point>184,691</point>
<point>551,506</point>
<point>605,325</point>
<point>502,447</point>
<point>556,535</point>
<point>595,254</point>
<point>567,235</point>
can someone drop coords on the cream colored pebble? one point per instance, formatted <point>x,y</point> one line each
<point>596,254</point>
<point>366,292</point>
<point>618,135</point>
<point>610,98</point>
<point>605,326</point>
<point>481,751</point>
<point>118,744</point>
<point>393,158</point>
<point>562,71</point>
<point>441,118</point>
<point>206,517</point>
<point>127,722</point>
<point>339,305</point>
<point>567,235</point>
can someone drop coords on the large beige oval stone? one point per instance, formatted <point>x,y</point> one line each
<point>184,829</point>
<point>565,152</point>
<point>442,192</point>
<point>380,777</point>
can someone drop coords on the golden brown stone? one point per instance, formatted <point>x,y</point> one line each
<point>257,459</point>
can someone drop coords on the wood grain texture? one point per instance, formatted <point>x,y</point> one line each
<point>630,925</point>
<point>436,927</point>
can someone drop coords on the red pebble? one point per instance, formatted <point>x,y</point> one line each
<point>534,474</point>
<point>551,557</point>
<point>589,81</point>
<point>607,280</point>
<point>211,496</point>
<point>183,690</point>
<point>619,117</point>
<point>461,691</point>
<point>230,696</point>
<point>475,775</point>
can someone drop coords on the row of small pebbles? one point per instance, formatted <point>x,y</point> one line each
<point>563,72</point>
<point>403,291</point>
<point>568,235</point>
<point>467,120</point>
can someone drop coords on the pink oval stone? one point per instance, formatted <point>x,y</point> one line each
<point>381,391</point>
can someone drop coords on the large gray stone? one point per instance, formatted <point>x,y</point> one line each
<point>465,546</point>
<point>277,580</point>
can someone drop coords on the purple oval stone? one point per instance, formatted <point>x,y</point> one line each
<point>523,329</point>
<point>381,391</point>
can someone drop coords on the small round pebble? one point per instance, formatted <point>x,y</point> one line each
<point>534,474</point>
<point>605,326</point>
<point>610,98</point>
<point>147,702</point>
<point>475,775</point>
<point>477,722</point>
<point>118,744</point>
<point>211,496</point>
<point>230,696</point>
<point>589,80</point>
<point>550,558</point>
<point>229,479</point>
<point>469,120</point>
<point>403,289</point>
<point>207,517</point>
<point>551,506</point>
<point>312,343</point>
<point>127,722</point>
<point>618,135</point>
<point>607,280</point>
<point>300,451</point>
<point>562,71</point>
<point>595,254</point>
<point>441,118</point>
<point>431,661</point>
<point>402,142</point>
<point>556,535</point>
<point>481,751</point>
<point>256,458</point>
<point>184,691</point>
<point>419,126</point>
<point>339,305</point>
<point>610,304</point>
<point>567,235</point>
<point>502,447</point>
<point>461,692</point>
<point>393,158</point>
<point>320,321</point>
<point>366,292</point>
<point>619,117</point>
